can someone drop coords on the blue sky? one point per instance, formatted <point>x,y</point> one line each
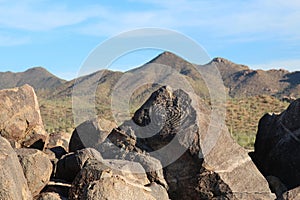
<point>59,35</point>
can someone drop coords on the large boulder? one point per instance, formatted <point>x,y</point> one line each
<point>13,184</point>
<point>90,133</point>
<point>175,127</point>
<point>278,137</point>
<point>277,145</point>
<point>114,179</point>
<point>20,120</point>
<point>70,164</point>
<point>37,168</point>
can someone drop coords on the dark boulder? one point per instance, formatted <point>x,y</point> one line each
<point>277,145</point>
<point>70,164</point>
<point>90,133</point>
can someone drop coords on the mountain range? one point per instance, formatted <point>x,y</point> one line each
<point>240,80</point>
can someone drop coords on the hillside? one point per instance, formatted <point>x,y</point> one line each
<point>242,81</point>
<point>38,78</point>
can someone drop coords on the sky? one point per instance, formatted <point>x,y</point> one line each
<point>59,35</point>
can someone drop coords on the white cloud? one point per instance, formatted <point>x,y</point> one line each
<point>33,16</point>
<point>258,19</point>
<point>275,18</point>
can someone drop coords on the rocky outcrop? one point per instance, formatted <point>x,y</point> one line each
<point>174,146</point>
<point>277,146</point>
<point>114,179</point>
<point>13,184</point>
<point>174,119</point>
<point>90,134</point>
<point>20,120</point>
<point>171,137</point>
<point>37,168</point>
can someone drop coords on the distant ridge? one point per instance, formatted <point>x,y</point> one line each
<point>37,77</point>
<point>240,80</point>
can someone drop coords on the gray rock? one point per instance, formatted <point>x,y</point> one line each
<point>37,168</point>
<point>13,185</point>
<point>20,120</point>
<point>70,165</point>
<point>90,133</point>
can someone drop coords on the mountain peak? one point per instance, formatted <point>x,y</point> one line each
<point>165,57</point>
<point>37,77</point>
<point>39,70</point>
<point>36,68</point>
<point>221,60</point>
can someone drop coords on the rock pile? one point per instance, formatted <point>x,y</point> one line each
<point>166,151</point>
<point>183,169</point>
<point>39,168</point>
